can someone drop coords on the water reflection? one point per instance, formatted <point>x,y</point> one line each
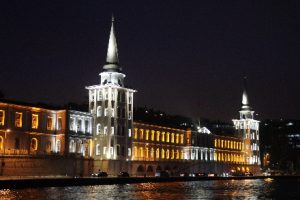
<point>227,189</point>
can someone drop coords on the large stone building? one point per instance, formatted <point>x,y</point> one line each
<point>41,141</point>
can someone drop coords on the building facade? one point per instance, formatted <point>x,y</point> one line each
<point>70,142</point>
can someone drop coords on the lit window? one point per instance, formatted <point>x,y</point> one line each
<point>59,123</point>
<point>152,135</point>
<point>98,129</point>
<point>112,112</point>
<point>177,138</point>
<point>147,134</point>
<point>2,117</point>
<point>157,153</point>
<point>50,123</point>
<point>34,144</point>
<point>98,149</point>
<point>163,136</point>
<point>181,139</point>
<point>112,130</point>
<point>1,143</point>
<point>168,137</point>
<point>58,146</point>
<point>111,151</point>
<point>129,151</point>
<point>129,132</point>
<point>141,152</point>
<point>172,138</point>
<point>79,125</point>
<point>18,119</point>
<point>34,121</point>
<point>157,136</point>
<point>147,153</point>
<point>141,134</point>
<point>99,111</point>
<point>162,153</point>
<point>135,152</point>
<point>100,96</point>
<point>135,136</point>
<point>167,154</point>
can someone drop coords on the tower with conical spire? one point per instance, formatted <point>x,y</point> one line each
<point>111,105</point>
<point>248,129</point>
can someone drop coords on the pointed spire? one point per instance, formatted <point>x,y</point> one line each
<point>112,59</point>
<point>245,100</point>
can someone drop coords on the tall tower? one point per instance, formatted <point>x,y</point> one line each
<point>248,129</point>
<point>111,105</point>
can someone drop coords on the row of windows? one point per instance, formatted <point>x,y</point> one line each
<point>142,153</point>
<point>109,152</point>
<point>252,136</point>
<point>33,145</point>
<point>158,136</point>
<point>120,113</point>
<point>34,121</point>
<point>229,144</point>
<point>104,95</point>
<point>80,125</point>
<point>229,157</point>
<point>120,131</point>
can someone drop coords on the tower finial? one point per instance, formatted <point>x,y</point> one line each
<point>112,59</point>
<point>245,100</point>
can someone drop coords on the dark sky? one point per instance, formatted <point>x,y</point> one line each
<point>185,58</point>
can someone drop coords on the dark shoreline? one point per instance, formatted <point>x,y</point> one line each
<point>62,182</point>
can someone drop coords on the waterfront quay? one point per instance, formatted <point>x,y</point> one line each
<point>34,182</point>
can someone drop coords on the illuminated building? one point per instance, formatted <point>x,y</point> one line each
<point>111,105</point>
<point>42,141</point>
<point>64,141</point>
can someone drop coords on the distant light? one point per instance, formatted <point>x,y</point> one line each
<point>290,124</point>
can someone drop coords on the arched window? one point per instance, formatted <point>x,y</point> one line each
<point>79,146</point>
<point>49,146</point>
<point>152,135</point>
<point>98,148</point>
<point>141,152</point>
<point>34,144</point>
<point>167,154</point>
<point>162,153</point>
<point>135,134</point>
<point>141,134</point>
<point>177,138</point>
<point>152,153</point>
<point>157,153</point>
<point>1,143</point>
<point>72,146</point>
<point>99,111</point>
<point>157,136</point>
<point>135,152</point>
<point>172,138</point>
<point>146,152</point>
<point>168,137</point>
<point>98,131</point>
<point>58,146</point>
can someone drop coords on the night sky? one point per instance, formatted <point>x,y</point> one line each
<point>185,58</point>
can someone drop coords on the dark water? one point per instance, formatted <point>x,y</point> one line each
<point>230,189</point>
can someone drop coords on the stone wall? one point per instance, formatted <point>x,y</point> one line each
<point>52,165</point>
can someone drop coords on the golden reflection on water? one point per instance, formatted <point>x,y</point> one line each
<point>221,189</point>
<point>269,180</point>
